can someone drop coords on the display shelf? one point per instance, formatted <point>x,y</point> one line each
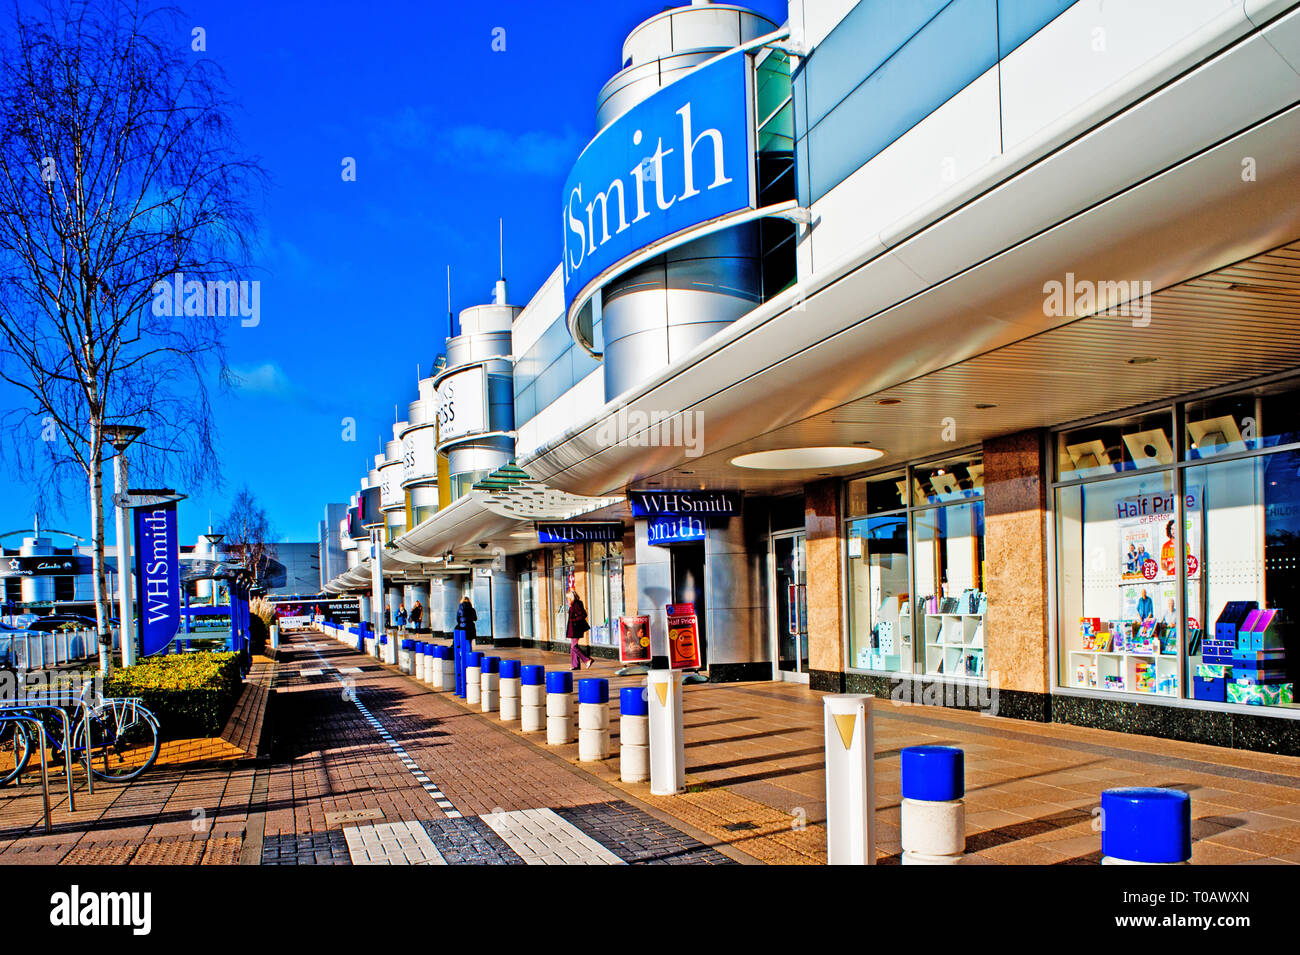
<point>1122,665</point>
<point>954,644</point>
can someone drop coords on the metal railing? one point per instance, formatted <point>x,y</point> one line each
<point>29,710</point>
<point>36,651</point>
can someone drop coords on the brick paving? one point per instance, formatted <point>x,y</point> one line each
<point>356,746</point>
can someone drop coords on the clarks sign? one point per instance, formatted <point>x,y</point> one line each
<point>680,158</point>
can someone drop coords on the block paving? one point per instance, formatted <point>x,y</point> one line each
<point>348,745</point>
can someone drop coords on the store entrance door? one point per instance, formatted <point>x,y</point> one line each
<point>688,588</point>
<point>789,625</point>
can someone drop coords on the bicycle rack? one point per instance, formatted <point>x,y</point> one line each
<point>12,715</point>
<point>26,710</point>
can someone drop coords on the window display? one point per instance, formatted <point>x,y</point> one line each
<point>918,609</point>
<point>1178,578</point>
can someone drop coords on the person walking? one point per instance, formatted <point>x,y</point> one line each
<point>417,615</point>
<point>574,630</point>
<point>465,619</point>
<point>400,619</point>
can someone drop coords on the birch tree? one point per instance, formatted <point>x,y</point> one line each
<point>121,181</point>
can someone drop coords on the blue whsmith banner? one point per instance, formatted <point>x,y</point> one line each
<point>157,576</point>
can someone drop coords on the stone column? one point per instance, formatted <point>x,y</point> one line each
<point>822,527</point>
<point>1015,547</point>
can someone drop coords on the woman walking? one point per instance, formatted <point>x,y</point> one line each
<point>465,618</point>
<point>577,626</point>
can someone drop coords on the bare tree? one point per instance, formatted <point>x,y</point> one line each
<point>119,172</point>
<point>249,532</point>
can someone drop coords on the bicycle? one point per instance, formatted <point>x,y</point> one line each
<point>124,739</point>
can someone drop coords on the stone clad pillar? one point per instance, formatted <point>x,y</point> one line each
<point>823,527</point>
<point>1016,627</point>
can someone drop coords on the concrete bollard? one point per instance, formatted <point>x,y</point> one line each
<point>633,735</point>
<point>437,667</point>
<point>559,707</point>
<point>404,655</point>
<point>490,684</point>
<point>667,737</point>
<point>275,636</point>
<point>1146,826</point>
<point>593,720</point>
<point>532,698</point>
<point>369,644</point>
<point>933,815</point>
<point>422,657</point>
<point>850,779</point>
<point>473,678</point>
<point>448,668</point>
<point>509,690</point>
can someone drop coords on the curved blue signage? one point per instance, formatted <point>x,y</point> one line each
<point>680,158</point>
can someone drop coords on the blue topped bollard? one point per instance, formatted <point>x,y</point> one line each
<point>1146,826</point>
<point>532,698</point>
<point>933,816</point>
<point>473,678</point>
<point>593,719</point>
<point>559,707</point>
<point>509,688</point>
<point>489,685</point>
<point>633,734</point>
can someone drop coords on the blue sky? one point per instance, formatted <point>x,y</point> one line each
<point>448,136</point>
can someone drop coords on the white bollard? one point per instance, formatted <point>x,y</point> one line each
<point>448,669</point>
<point>532,698</point>
<point>559,708</point>
<point>932,816</point>
<point>667,737</point>
<point>436,678</point>
<point>509,690</point>
<point>489,683</point>
<point>421,650</point>
<point>593,720</point>
<point>850,780</point>
<point>275,636</point>
<point>405,662</point>
<point>473,680</point>
<point>633,735</point>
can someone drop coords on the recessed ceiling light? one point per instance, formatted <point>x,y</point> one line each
<point>809,459</point>
<point>1142,361</point>
<point>889,401</point>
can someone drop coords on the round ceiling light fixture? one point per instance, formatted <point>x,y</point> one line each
<point>806,459</point>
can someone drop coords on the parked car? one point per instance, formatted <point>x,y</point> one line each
<point>8,637</point>
<point>63,621</point>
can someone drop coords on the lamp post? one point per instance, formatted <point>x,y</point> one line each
<point>121,436</point>
<point>214,542</point>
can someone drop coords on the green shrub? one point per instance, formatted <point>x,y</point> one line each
<point>192,694</point>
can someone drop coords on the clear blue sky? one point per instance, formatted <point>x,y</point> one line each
<point>448,135</point>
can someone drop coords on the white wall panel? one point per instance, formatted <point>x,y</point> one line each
<point>933,157</point>
<point>538,314</point>
<point>1095,45</point>
<point>573,408</point>
<point>815,19</point>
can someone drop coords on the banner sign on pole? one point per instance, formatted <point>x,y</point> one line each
<point>683,637</point>
<point>634,639</point>
<point>157,576</point>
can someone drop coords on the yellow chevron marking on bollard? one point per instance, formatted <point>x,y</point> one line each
<point>661,690</point>
<point>845,722</point>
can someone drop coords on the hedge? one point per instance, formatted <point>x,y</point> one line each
<point>192,694</point>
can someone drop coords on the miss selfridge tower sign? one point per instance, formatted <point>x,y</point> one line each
<point>680,158</point>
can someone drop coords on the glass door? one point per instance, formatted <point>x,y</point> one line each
<point>790,587</point>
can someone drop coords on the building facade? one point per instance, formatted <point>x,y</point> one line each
<point>947,351</point>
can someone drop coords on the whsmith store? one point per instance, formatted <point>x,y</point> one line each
<point>941,349</point>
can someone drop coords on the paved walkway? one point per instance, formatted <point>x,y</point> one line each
<point>369,767</point>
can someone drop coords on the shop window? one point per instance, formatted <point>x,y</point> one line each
<point>1245,422</point>
<point>1117,585</point>
<point>880,600</point>
<point>605,586</point>
<point>919,609</point>
<point>949,578</point>
<point>527,604</point>
<point>1241,650</point>
<point>1136,443</point>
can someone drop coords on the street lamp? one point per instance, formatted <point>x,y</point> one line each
<point>214,541</point>
<point>120,436</point>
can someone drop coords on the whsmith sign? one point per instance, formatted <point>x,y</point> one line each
<point>697,503</point>
<point>680,158</point>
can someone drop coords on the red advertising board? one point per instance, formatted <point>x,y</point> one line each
<point>634,639</point>
<point>683,637</point>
